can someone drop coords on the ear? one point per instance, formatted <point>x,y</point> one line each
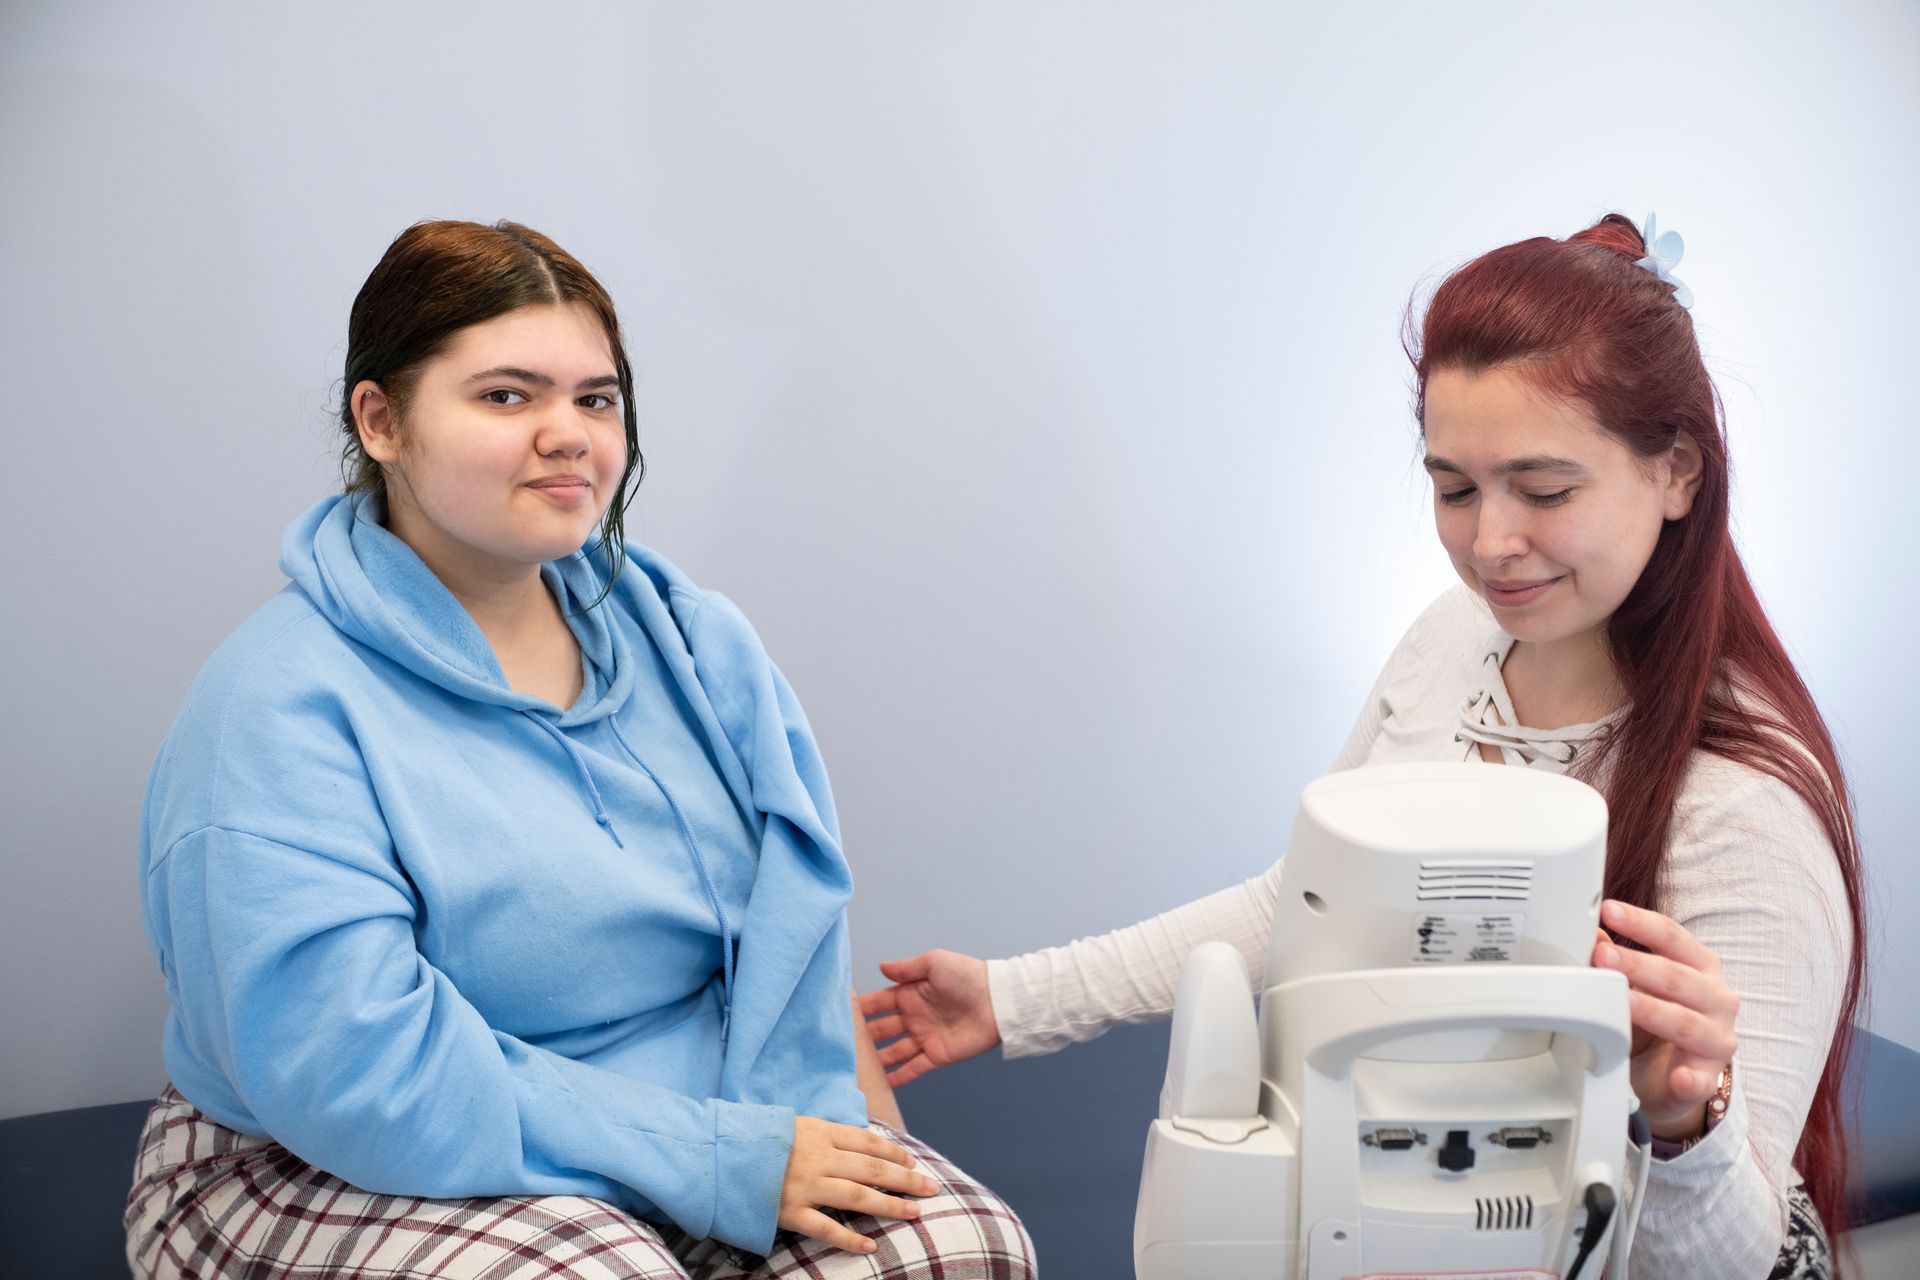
<point>1684,471</point>
<point>375,420</point>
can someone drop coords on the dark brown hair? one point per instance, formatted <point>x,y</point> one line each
<point>1692,647</point>
<point>440,277</point>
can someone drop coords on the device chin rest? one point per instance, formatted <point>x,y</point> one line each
<point>1213,1062</point>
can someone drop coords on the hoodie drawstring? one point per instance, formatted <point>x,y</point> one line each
<point>586,777</point>
<point>706,876</point>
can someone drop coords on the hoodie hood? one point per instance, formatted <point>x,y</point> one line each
<point>376,590</point>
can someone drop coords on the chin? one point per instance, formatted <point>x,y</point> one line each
<point>554,544</point>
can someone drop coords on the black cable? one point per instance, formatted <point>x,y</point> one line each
<point>1600,1206</point>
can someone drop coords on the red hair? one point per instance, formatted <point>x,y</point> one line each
<point>1692,647</point>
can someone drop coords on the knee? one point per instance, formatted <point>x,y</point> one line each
<point>977,1235</point>
<point>966,1231</point>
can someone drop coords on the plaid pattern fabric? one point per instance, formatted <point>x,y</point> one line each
<point>211,1204</point>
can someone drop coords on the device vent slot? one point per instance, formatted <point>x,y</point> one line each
<point>1461,880</point>
<point>1503,1213</point>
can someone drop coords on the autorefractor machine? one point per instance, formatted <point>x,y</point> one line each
<point>1436,1082</point>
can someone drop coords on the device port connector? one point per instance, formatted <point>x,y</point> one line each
<point>1520,1137</point>
<point>1394,1139</point>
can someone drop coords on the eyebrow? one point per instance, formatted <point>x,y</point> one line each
<point>1512,465</point>
<point>540,379</point>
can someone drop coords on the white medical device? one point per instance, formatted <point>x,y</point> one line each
<point>1437,1081</point>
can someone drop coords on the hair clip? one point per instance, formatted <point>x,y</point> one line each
<point>1663,252</point>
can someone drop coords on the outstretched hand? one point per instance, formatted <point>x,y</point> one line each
<point>937,1013</point>
<point>1683,1015</point>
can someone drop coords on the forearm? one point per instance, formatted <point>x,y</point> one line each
<point>872,1077</point>
<point>1713,1212</point>
<point>1777,927</point>
<point>1046,1000</point>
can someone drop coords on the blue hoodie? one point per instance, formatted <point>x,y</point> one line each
<point>440,938</point>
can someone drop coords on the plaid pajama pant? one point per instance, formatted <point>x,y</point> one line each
<point>211,1204</point>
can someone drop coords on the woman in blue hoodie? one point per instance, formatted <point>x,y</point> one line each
<point>496,882</point>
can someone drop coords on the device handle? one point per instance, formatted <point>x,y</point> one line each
<point>1341,1016</point>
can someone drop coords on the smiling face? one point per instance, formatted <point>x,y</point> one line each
<point>1543,512</point>
<point>510,448</point>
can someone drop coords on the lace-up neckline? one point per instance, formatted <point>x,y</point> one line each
<point>1487,719</point>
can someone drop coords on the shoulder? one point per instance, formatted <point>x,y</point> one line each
<point>1722,798</point>
<point>278,660</point>
<point>1455,631</point>
<point>265,715</point>
<point>1740,831</point>
<point>1455,617</point>
<point>658,596</point>
<point>273,657</point>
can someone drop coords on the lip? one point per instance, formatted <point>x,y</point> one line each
<point>1512,592</point>
<point>568,489</point>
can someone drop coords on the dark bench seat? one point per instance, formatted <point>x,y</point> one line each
<point>1059,1137</point>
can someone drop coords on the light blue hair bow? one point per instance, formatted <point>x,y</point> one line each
<point>1663,252</point>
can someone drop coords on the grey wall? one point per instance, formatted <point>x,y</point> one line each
<point>1027,372</point>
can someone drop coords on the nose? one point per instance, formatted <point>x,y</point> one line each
<point>1499,534</point>
<point>563,433</point>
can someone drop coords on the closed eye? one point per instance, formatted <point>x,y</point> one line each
<point>1457,497</point>
<point>1549,499</point>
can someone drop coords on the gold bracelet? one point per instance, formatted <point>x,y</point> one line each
<point>1716,1107</point>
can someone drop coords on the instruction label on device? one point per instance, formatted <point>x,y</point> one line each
<point>1459,939</point>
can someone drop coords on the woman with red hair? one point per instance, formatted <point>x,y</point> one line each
<point>1606,628</point>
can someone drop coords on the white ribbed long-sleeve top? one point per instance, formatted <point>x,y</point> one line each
<point>1750,873</point>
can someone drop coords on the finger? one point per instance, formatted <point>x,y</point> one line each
<point>1687,1083</point>
<point>855,1197</point>
<point>872,1171</point>
<point>885,1000</point>
<point>1669,980</point>
<point>899,1051</point>
<point>912,969</point>
<point>816,1225</point>
<point>1660,934</point>
<point>1694,1083</point>
<point>1698,1039</point>
<point>886,1027</point>
<point>852,1140</point>
<point>906,1074</point>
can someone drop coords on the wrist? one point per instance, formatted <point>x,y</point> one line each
<point>1689,1126</point>
<point>1698,1121</point>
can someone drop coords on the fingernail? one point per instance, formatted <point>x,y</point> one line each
<point>1611,910</point>
<point>1609,955</point>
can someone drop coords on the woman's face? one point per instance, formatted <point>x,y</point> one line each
<point>1544,514</point>
<point>511,447</point>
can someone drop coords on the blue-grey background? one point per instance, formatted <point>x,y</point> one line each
<point>1028,372</point>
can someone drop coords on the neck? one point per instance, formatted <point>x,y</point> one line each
<point>507,611</point>
<point>508,601</point>
<point>1556,683</point>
